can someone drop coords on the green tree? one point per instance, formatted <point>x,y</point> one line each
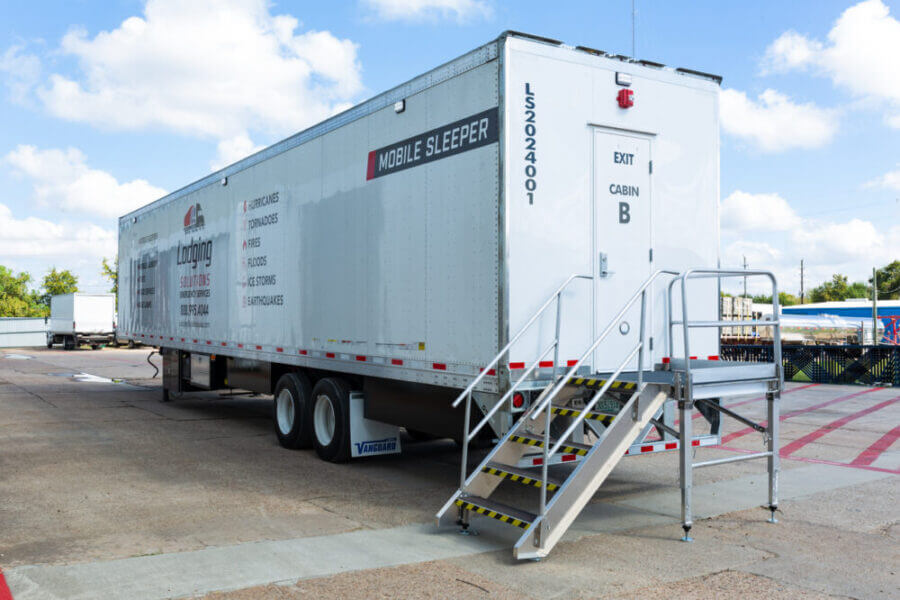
<point>15,298</point>
<point>837,290</point>
<point>784,299</point>
<point>888,281</point>
<point>56,283</point>
<point>111,272</point>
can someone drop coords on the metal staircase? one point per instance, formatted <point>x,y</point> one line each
<point>581,427</point>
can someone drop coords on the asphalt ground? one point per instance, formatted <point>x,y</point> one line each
<point>107,493</point>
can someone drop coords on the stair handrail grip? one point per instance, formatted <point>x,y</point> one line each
<point>516,337</point>
<point>574,368</point>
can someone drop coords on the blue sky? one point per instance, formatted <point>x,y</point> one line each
<point>106,105</point>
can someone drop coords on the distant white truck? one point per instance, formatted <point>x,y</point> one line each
<point>77,319</point>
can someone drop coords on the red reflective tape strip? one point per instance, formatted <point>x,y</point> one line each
<point>259,347</point>
<point>537,461</point>
<point>490,371</point>
<point>329,355</point>
<point>567,458</point>
<point>695,443</point>
<point>171,338</point>
<point>195,341</point>
<point>712,358</point>
<point>396,361</point>
<point>799,411</point>
<point>302,351</point>
<point>439,366</point>
<point>5,594</point>
<point>517,365</point>
<point>182,339</point>
<point>545,363</point>
<point>370,167</point>
<point>693,358</point>
<point>870,454</point>
<point>666,360</point>
<point>671,445</point>
<point>361,358</point>
<point>224,343</point>
<point>646,448</point>
<point>279,349</point>
<point>571,363</point>
<point>239,345</point>
<point>837,424</point>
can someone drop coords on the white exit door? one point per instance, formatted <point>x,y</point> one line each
<point>622,258</point>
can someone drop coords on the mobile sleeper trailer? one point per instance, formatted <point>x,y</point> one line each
<point>486,226</point>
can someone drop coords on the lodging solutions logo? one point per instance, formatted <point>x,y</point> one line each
<point>193,218</point>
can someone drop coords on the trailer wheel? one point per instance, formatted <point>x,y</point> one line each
<point>69,342</point>
<point>331,419</point>
<point>291,412</point>
<point>131,344</point>
<point>49,341</point>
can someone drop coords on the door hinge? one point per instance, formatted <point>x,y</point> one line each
<point>651,167</point>
<point>651,254</point>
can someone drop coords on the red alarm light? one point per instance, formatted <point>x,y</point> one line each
<point>625,98</point>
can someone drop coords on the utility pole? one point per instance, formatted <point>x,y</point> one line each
<point>875,339</point>
<point>801,281</point>
<point>745,278</point>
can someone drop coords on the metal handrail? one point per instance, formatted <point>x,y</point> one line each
<point>565,378</point>
<point>467,393</point>
<point>687,324</point>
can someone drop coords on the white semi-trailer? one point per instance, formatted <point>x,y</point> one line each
<point>395,248</point>
<point>519,245</point>
<point>80,318</point>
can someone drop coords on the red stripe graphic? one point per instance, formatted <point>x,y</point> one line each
<point>370,169</point>
<point>811,437</point>
<point>870,454</point>
<point>799,411</point>
<point>5,594</point>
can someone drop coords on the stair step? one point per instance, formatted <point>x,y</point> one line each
<point>497,510</point>
<point>531,440</point>
<point>520,475</point>
<point>566,411</point>
<point>598,383</point>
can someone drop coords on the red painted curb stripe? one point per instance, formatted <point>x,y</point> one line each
<point>758,398</point>
<point>870,454</point>
<point>817,461</point>
<point>837,424</point>
<point>799,411</point>
<point>5,594</point>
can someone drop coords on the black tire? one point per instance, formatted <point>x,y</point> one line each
<point>50,341</point>
<point>69,342</point>
<point>95,346</point>
<point>165,396</point>
<point>330,412</point>
<point>131,344</point>
<point>420,436</point>
<point>290,411</point>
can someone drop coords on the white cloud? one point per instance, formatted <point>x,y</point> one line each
<point>418,10</point>
<point>62,179</point>
<point>890,180</point>
<point>859,55</point>
<point>742,211</point>
<point>207,68</point>
<point>232,150</point>
<point>33,237</point>
<point>850,247</point>
<point>23,72</point>
<point>775,123</point>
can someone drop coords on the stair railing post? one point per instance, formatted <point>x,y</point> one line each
<point>465,443</point>
<point>640,365</point>
<point>558,322</point>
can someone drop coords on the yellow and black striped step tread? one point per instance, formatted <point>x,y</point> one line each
<point>598,383</point>
<point>566,411</point>
<point>496,510</point>
<point>538,442</point>
<point>519,475</point>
